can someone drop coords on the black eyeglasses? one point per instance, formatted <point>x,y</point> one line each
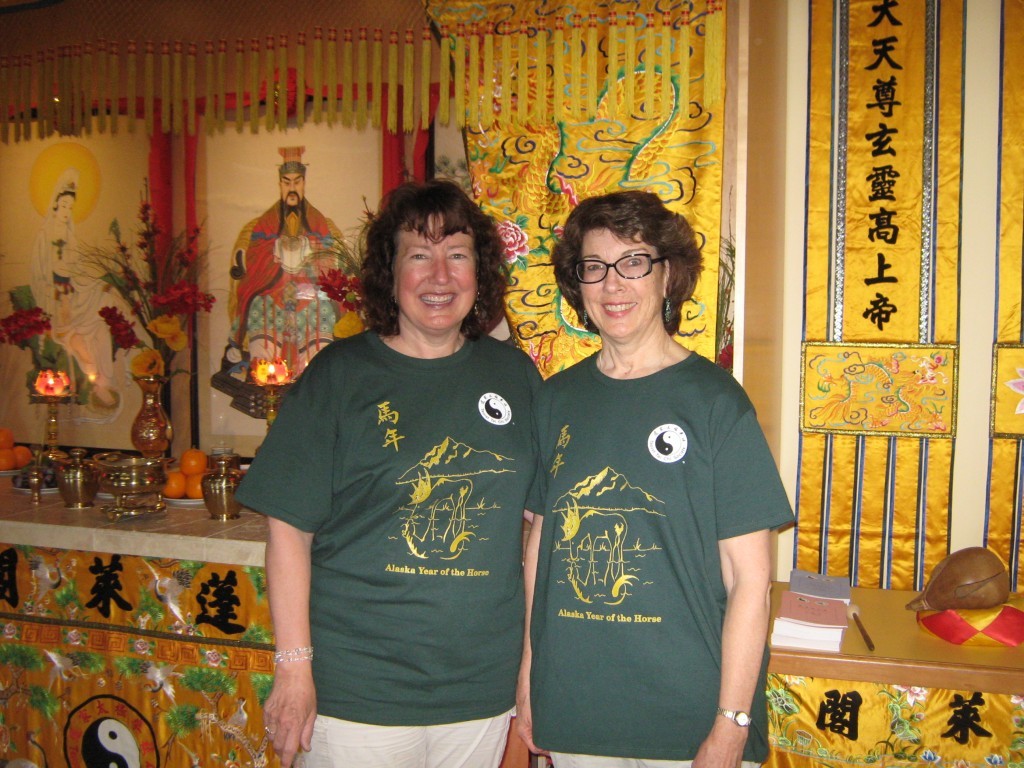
<point>632,267</point>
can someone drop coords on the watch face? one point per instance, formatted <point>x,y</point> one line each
<point>742,718</point>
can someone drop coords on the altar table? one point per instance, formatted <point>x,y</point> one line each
<point>152,633</point>
<point>916,700</point>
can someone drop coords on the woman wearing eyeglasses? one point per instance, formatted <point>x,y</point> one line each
<point>649,559</point>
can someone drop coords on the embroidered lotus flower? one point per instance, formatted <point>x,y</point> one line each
<point>1017,385</point>
<point>516,242</point>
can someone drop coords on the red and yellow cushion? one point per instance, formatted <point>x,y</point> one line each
<point>1001,625</point>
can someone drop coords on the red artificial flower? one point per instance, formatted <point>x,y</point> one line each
<point>121,331</point>
<point>725,357</point>
<point>183,298</point>
<point>345,289</point>
<point>22,324</point>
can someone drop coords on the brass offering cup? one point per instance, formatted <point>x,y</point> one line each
<point>78,479</point>
<point>219,487</point>
<point>135,483</point>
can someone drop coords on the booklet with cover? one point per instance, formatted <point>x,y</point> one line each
<point>819,585</point>
<point>813,623</point>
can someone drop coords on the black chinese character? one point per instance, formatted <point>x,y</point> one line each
<point>107,587</point>
<point>9,576</point>
<point>883,228</point>
<point>885,96</point>
<point>883,180</point>
<point>882,48</point>
<point>222,602</point>
<point>838,713</point>
<point>881,277</point>
<point>881,141</point>
<point>882,11</point>
<point>965,718</point>
<point>880,311</point>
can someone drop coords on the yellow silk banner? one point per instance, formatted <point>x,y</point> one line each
<point>172,657</point>
<point>817,721</point>
<point>1004,526</point>
<point>608,110</point>
<point>881,289</point>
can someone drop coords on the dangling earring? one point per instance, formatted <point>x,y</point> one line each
<point>586,320</point>
<point>668,309</point>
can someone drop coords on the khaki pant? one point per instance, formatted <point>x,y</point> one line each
<point>345,744</point>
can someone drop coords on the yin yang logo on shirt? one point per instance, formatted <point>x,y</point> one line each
<point>667,443</point>
<point>494,409</point>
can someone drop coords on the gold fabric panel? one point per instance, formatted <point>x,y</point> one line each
<point>529,174</point>
<point>1004,527</point>
<point>176,655</point>
<point>817,721</point>
<point>881,292</point>
<point>903,390</point>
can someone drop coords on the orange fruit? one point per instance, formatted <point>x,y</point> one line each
<point>22,456</point>
<point>6,438</point>
<point>7,460</point>
<point>193,462</point>
<point>175,487</point>
<point>194,486</point>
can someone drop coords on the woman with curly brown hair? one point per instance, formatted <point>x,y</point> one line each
<point>394,480</point>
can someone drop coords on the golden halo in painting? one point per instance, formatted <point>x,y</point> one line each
<point>60,161</point>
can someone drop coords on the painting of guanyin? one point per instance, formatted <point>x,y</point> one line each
<point>64,288</point>
<point>276,308</point>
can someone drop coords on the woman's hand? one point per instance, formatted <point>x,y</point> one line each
<point>291,710</point>
<point>723,748</point>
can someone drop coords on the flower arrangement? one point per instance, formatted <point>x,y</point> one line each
<point>347,291</point>
<point>724,323</point>
<point>160,288</point>
<point>22,325</point>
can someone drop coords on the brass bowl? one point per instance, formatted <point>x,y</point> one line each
<point>135,482</point>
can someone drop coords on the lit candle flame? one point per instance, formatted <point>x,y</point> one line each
<point>270,372</point>
<point>54,383</point>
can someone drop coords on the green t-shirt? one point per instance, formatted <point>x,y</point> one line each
<point>643,478</point>
<point>412,475</point>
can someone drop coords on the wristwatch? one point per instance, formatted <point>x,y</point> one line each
<point>742,719</point>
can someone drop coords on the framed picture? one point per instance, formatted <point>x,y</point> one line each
<point>59,201</point>
<point>281,209</point>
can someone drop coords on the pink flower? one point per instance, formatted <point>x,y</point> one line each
<point>516,242</point>
<point>213,658</point>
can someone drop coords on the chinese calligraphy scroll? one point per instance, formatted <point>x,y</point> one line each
<point>1004,524</point>
<point>881,288</point>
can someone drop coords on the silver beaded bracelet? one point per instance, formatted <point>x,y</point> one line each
<point>294,654</point>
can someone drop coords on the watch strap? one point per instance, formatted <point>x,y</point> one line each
<point>742,719</point>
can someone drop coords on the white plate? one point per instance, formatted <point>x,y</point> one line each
<point>184,502</point>
<point>7,472</point>
<point>41,490</point>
